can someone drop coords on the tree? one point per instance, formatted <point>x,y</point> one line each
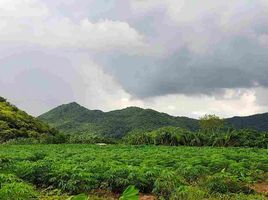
<point>211,123</point>
<point>2,99</point>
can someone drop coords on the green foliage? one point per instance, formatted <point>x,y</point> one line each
<point>16,124</point>
<point>168,172</point>
<point>257,122</point>
<point>167,183</point>
<point>226,183</point>
<point>88,139</point>
<point>17,191</point>
<point>2,99</point>
<point>211,123</point>
<point>79,197</point>
<point>173,136</point>
<point>131,193</point>
<point>188,193</point>
<point>13,188</point>
<point>134,124</point>
<point>75,119</point>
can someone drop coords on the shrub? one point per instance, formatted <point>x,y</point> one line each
<point>17,191</point>
<point>8,178</point>
<point>21,141</point>
<point>166,184</point>
<point>34,172</point>
<point>188,193</point>
<point>193,173</point>
<point>225,183</point>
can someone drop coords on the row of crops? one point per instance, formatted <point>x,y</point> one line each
<point>31,171</point>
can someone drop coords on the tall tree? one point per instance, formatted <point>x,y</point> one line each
<point>211,123</point>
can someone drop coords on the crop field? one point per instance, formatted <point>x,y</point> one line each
<point>58,171</point>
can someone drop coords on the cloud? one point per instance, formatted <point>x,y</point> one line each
<point>102,91</point>
<point>181,57</point>
<point>233,102</point>
<point>208,52</point>
<point>30,22</point>
<point>22,8</point>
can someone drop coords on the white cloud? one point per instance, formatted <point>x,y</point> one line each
<point>101,89</point>
<point>235,102</point>
<point>22,8</point>
<point>19,25</point>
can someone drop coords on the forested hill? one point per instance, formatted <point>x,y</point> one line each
<point>258,122</point>
<point>73,118</point>
<point>15,124</point>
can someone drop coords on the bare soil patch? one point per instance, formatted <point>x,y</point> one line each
<point>260,187</point>
<point>147,197</point>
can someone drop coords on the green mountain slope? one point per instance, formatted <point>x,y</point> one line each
<point>258,122</point>
<point>73,118</point>
<point>15,123</point>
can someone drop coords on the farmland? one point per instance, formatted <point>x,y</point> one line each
<point>56,171</point>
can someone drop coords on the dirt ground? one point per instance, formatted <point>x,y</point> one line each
<point>147,197</point>
<point>260,188</point>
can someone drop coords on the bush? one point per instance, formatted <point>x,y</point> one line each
<point>2,99</point>
<point>58,138</point>
<point>17,191</point>
<point>188,193</point>
<point>225,183</point>
<point>8,178</point>
<point>167,184</point>
<point>88,139</point>
<point>22,141</point>
<point>36,172</point>
<point>193,173</point>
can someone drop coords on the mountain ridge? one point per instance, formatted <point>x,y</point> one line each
<point>257,121</point>
<point>72,117</point>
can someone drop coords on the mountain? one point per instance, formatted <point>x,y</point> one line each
<point>15,123</point>
<point>73,118</point>
<point>258,122</point>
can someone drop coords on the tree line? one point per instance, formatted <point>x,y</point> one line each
<point>213,132</point>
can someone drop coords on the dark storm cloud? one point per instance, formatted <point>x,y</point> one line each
<point>200,57</point>
<point>235,63</point>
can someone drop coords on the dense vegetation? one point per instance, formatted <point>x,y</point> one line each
<point>75,119</point>
<point>18,125</point>
<point>175,173</point>
<point>135,125</point>
<point>174,136</point>
<point>213,132</point>
<point>258,122</point>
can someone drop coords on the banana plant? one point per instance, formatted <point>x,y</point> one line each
<point>131,193</point>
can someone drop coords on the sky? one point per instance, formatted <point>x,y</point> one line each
<point>182,57</point>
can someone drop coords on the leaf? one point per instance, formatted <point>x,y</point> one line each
<point>131,193</point>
